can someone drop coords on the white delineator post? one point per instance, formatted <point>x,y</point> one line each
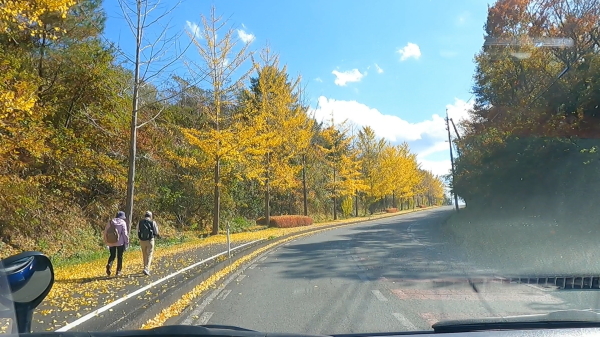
<point>228,241</point>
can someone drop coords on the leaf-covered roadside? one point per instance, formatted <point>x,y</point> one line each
<point>82,288</point>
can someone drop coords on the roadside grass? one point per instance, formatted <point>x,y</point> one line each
<point>173,243</point>
<point>89,256</point>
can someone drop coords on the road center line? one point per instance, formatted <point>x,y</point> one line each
<point>405,322</point>
<point>379,295</point>
<point>130,295</point>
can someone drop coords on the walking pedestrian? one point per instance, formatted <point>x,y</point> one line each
<point>117,240</point>
<point>147,231</point>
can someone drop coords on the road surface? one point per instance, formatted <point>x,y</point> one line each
<point>393,274</point>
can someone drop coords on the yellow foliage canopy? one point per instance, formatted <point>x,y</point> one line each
<point>19,15</point>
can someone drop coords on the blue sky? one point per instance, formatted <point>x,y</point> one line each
<point>394,65</point>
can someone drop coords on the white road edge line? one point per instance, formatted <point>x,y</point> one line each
<point>204,318</point>
<point>126,297</point>
<point>200,308</point>
<point>215,294</point>
<point>224,294</point>
<point>405,322</point>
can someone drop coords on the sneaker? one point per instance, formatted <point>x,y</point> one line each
<point>146,272</point>
<point>119,273</point>
<point>108,270</point>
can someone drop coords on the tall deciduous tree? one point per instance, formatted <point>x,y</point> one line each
<point>283,130</point>
<point>343,163</point>
<point>222,70</point>
<point>149,61</point>
<point>370,150</point>
<point>533,99</point>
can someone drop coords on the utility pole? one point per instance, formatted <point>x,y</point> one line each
<point>451,159</point>
<point>457,136</point>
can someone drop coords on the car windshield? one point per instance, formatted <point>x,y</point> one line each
<point>322,167</point>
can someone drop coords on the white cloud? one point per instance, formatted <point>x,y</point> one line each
<point>245,37</point>
<point>439,168</point>
<point>194,29</point>
<point>408,51</point>
<point>379,70</point>
<point>318,79</point>
<point>459,110</point>
<point>341,78</point>
<point>427,138</point>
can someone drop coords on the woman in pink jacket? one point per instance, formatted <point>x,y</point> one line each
<point>117,240</point>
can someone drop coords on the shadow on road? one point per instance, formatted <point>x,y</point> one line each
<point>402,248</point>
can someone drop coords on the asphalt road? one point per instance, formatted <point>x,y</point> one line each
<point>394,274</point>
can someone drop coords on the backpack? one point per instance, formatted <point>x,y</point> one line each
<point>112,233</point>
<point>146,230</point>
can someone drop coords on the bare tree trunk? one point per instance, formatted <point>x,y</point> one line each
<point>217,198</point>
<point>334,200</point>
<point>356,204</point>
<point>133,126</point>
<point>268,194</point>
<point>304,192</point>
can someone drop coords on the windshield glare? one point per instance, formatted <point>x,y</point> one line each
<point>306,167</point>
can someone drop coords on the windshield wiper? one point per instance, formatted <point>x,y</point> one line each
<point>554,320</point>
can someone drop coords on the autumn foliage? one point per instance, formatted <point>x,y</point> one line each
<point>286,221</point>
<point>532,137</point>
<point>231,140</point>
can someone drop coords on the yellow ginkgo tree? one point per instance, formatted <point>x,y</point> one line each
<point>273,110</point>
<point>406,172</point>
<point>343,163</point>
<point>22,128</point>
<point>222,138</point>
<point>19,16</point>
<point>370,150</point>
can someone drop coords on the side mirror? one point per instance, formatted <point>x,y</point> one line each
<point>25,280</point>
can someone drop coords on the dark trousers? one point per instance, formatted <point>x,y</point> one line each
<point>118,251</point>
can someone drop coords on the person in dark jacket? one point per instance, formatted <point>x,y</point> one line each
<point>147,231</point>
<point>117,240</point>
